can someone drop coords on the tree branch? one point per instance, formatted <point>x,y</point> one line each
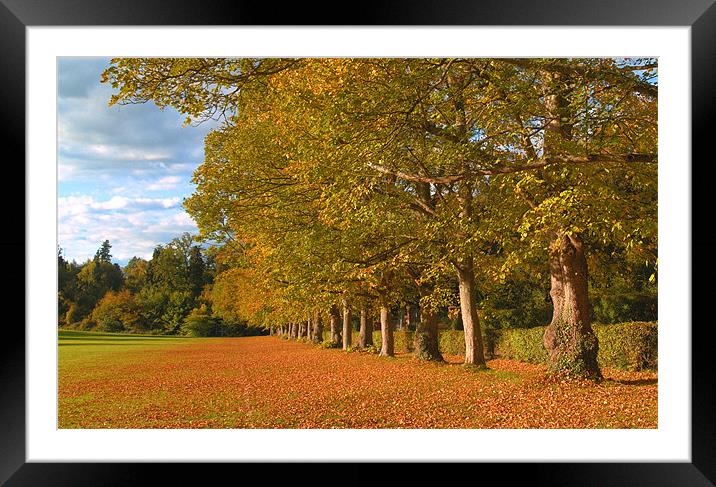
<point>547,161</point>
<point>637,85</point>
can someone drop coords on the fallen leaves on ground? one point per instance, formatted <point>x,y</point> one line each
<point>268,382</point>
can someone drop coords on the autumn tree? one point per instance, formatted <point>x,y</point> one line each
<point>94,280</point>
<point>117,311</point>
<point>592,178</point>
<point>135,274</point>
<point>341,177</point>
<point>552,123</point>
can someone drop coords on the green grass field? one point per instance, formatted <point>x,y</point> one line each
<point>129,381</point>
<point>95,340</point>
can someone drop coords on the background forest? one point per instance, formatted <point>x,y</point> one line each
<point>168,294</point>
<point>173,293</point>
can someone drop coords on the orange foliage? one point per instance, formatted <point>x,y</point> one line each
<point>267,382</point>
<point>238,293</point>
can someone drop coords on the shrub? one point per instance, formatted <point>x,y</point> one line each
<point>524,344</point>
<point>371,349</point>
<point>631,346</point>
<point>402,340</point>
<point>178,307</point>
<point>200,323</point>
<point>451,342</point>
<point>116,311</point>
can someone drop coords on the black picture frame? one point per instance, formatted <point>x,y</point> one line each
<point>16,15</point>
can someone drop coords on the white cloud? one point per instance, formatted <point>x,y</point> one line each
<point>66,172</point>
<point>117,152</point>
<point>75,205</point>
<point>115,203</point>
<point>183,167</point>
<point>163,202</point>
<point>165,183</point>
<point>131,233</point>
<point>134,226</point>
<point>183,218</point>
<point>177,223</point>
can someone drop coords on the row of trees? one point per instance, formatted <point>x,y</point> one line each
<point>340,186</point>
<point>170,293</point>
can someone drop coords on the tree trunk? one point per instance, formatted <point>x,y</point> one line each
<point>559,128</point>
<point>366,329</point>
<point>474,353</point>
<point>408,317</point>
<point>335,317</point>
<point>317,328</point>
<point>569,339</point>
<point>386,333</point>
<point>426,341</point>
<point>347,328</point>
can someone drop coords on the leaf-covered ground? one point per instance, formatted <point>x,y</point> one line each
<point>267,382</point>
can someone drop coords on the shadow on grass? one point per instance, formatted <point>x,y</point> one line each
<point>92,335</point>
<point>95,343</point>
<point>637,382</point>
<point>115,339</point>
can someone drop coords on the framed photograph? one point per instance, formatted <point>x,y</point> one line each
<point>563,123</point>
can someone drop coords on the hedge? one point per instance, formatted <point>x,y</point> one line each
<point>523,344</point>
<point>632,345</point>
<point>452,342</point>
<point>629,346</point>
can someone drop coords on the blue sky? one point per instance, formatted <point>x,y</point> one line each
<point>123,171</point>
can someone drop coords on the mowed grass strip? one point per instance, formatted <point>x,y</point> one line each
<point>125,381</point>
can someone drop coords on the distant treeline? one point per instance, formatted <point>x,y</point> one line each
<point>168,294</point>
<point>172,294</point>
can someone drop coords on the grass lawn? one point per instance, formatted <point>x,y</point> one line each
<point>129,381</point>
